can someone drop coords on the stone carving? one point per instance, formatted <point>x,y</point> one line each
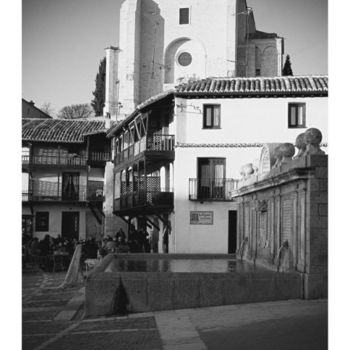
<point>267,158</point>
<point>283,154</point>
<point>262,205</point>
<point>247,170</point>
<point>313,138</point>
<point>300,144</point>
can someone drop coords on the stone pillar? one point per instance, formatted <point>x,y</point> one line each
<point>112,82</point>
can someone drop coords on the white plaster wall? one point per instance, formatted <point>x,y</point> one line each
<point>55,219</point>
<point>243,121</point>
<point>248,120</point>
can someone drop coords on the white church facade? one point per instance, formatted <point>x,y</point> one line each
<point>164,43</point>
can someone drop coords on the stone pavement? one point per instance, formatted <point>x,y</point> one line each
<point>52,319</point>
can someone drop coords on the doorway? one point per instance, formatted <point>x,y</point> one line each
<point>70,224</point>
<point>70,186</point>
<point>232,231</point>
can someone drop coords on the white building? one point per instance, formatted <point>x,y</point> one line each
<point>165,42</point>
<point>178,154</point>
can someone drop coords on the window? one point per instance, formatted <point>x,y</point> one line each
<point>211,116</point>
<point>184,16</point>
<point>296,115</point>
<point>211,177</point>
<point>257,72</point>
<point>42,221</point>
<point>184,59</point>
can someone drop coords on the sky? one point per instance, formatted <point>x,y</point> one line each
<point>63,42</point>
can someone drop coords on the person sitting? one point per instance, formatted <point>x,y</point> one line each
<point>111,245</point>
<point>122,246</point>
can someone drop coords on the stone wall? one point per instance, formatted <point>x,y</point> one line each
<point>283,220</point>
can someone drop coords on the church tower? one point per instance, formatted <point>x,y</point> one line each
<point>165,42</point>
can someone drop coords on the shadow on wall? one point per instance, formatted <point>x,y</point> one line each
<point>151,61</point>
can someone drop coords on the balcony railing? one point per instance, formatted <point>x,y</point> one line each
<point>100,156</point>
<point>52,191</point>
<point>212,189</point>
<point>157,143</point>
<point>144,194</point>
<point>68,161</point>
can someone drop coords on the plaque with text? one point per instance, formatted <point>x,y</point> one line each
<point>201,217</point>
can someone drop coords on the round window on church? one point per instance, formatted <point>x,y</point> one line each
<point>184,59</point>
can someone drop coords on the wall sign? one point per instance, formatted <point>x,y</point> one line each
<point>201,217</point>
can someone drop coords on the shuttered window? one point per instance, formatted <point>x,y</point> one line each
<point>211,117</point>
<point>296,115</point>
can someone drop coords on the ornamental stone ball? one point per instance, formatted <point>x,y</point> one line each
<point>287,150</point>
<point>284,153</point>
<point>277,153</point>
<point>313,138</point>
<point>300,144</point>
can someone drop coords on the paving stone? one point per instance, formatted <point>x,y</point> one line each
<point>31,342</point>
<point>134,323</point>
<point>42,315</point>
<point>52,327</point>
<point>138,340</point>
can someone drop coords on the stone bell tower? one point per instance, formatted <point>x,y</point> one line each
<point>164,43</point>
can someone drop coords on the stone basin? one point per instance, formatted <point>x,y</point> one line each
<point>175,281</point>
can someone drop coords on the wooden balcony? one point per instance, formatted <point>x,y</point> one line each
<point>99,157</point>
<point>159,145</point>
<point>146,198</point>
<point>52,191</point>
<point>212,189</point>
<point>61,161</point>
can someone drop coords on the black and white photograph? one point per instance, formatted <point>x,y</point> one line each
<point>174,175</point>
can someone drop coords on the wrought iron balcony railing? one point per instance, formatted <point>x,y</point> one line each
<point>54,191</point>
<point>157,143</point>
<point>212,189</point>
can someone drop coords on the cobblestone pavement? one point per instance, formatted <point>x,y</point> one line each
<point>52,319</point>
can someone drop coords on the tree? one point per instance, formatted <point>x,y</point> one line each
<point>47,108</point>
<point>99,100</point>
<point>287,68</point>
<point>75,111</point>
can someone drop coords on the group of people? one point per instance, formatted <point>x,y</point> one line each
<point>137,241</point>
<point>45,249</point>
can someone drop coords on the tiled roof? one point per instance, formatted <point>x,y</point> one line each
<point>59,130</point>
<point>258,86</point>
<point>289,86</point>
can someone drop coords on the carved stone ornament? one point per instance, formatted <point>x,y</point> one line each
<point>262,205</point>
<point>313,138</point>
<point>300,144</point>
<point>247,170</point>
<point>283,154</point>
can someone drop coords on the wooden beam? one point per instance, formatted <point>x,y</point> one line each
<point>152,223</point>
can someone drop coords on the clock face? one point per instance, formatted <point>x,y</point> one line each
<point>184,59</point>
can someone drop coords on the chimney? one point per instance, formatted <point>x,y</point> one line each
<point>111,93</point>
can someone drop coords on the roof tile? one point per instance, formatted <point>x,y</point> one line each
<point>249,86</point>
<point>59,130</point>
